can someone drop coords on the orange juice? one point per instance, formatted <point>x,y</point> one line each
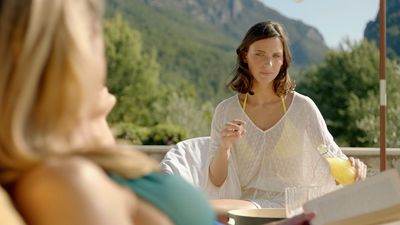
<point>342,170</point>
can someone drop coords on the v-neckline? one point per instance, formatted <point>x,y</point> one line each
<point>275,124</point>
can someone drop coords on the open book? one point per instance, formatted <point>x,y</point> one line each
<point>373,201</point>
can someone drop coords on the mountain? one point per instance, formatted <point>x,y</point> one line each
<point>371,31</point>
<point>196,40</point>
<point>235,17</point>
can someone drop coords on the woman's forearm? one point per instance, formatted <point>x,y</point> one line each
<point>218,170</point>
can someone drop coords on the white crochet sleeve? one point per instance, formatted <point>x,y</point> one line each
<point>231,187</point>
<point>322,137</point>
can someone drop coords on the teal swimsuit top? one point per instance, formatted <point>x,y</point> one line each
<point>181,202</point>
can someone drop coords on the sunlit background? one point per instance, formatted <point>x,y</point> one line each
<point>336,20</point>
<point>169,61</point>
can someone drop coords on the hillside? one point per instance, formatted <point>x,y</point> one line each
<point>234,18</point>
<point>196,39</point>
<point>371,32</point>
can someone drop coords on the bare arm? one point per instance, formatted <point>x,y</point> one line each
<point>73,191</point>
<point>219,167</point>
<point>218,170</point>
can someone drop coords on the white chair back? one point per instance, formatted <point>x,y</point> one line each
<point>188,159</point>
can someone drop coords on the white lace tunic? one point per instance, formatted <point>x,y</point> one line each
<point>263,163</point>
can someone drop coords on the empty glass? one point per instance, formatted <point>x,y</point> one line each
<point>296,196</point>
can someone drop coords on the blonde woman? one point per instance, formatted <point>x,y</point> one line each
<point>58,160</point>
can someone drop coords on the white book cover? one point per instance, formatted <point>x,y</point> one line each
<point>373,201</point>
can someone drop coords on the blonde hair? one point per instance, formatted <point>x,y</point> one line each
<point>46,79</point>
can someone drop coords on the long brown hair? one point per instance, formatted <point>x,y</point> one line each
<point>46,77</point>
<point>242,81</point>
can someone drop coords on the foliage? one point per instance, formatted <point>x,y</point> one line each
<point>187,50</point>
<point>146,110</point>
<point>196,41</point>
<point>185,112</point>
<point>130,134</point>
<point>133,76</point>
<point>161,134</point>
<point>165,134</point>
<point>168,76</point>
<point>369,121</point>
<point>346,89</point>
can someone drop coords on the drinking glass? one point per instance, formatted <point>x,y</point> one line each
<point>296,196</point>
<point>342,170</point>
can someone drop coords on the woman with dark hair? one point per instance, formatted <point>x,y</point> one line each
<point>266,137</point>
<point>243,78</point>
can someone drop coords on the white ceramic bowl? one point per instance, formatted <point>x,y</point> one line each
<point>255,216</point>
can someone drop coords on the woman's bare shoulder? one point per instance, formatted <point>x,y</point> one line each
<point>71,171</point>
<point>74,190</point>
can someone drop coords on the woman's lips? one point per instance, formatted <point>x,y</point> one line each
<point>266,73</point>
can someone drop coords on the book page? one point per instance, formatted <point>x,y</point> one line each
<point>375,193</point>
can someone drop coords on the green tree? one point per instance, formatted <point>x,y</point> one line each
<point>346,89</point>
<point>188,113</point>
<point>133,76</point>
<point>367,114</point>
<point>148,111</point>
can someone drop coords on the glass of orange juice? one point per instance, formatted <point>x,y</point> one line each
<point>341,168</point>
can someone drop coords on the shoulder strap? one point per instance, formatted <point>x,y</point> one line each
<point>245,102</point>
<point>283,104</point>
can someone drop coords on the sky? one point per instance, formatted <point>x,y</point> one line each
<point>335,19</point>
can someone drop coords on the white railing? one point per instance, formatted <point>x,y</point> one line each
<point>367,151</point>
<point>354,151</point>
<point>369,156</point>
<point>158,151</point>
